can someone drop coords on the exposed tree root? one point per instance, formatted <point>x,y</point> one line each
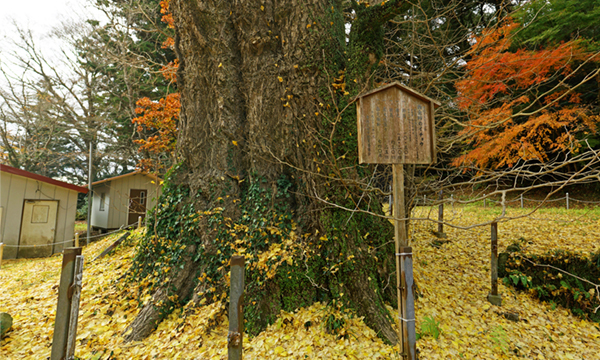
<point>150,316</point>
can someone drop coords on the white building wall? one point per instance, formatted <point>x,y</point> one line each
<point>13,193</point>
<point>100,216</point>
<point>14,190</point>
<point>118,193</point>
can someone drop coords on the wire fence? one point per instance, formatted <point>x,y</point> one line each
<point>72,241</point>
<point>419,201</point>
<point>595,286</point>
<point>424,201</point>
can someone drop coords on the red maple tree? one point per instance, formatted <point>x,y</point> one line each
<point>523,104</point>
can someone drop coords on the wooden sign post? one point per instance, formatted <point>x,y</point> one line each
<point>396,126</point>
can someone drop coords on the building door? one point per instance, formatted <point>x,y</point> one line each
<point>137,205</point>
<point>38,228</point>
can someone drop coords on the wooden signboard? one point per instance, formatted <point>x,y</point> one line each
<point>396,126</point>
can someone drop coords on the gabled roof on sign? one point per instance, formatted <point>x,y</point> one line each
<point>404,88</point>
<point>151,176</point>
<point>30,175</point>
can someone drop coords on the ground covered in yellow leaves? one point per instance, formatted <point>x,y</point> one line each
<point>453,315</point>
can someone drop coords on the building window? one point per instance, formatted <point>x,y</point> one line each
<point>142,197</point>
<point>102,201</point>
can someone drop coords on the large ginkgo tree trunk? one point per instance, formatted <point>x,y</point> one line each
<point>269,164</point>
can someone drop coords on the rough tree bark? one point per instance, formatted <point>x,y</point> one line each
<point>254,85</point>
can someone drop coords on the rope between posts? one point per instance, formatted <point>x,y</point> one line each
<point>72,240</point>
<point>583,201</point>
<point>505,201</point>
<point>452,200</point>
<point>551,200</point>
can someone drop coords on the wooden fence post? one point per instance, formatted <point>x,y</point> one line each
<point>441,217</point>
<point>493,296</point>
<point>76,240</point>
<point>521,201</point>
<point>236,308</point>
<point>74,314</point>
<point>1,253</point>
<point>63,308</point>
<point>484,201</point>
<point>407,320</point>
<point>139,222</point>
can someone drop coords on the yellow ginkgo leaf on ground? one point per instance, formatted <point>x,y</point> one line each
<point>453,280</point>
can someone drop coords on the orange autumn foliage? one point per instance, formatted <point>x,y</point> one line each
<point>157,120</point>
<point>169,71</point>
<point>520,104</point>
<point>167,17</point>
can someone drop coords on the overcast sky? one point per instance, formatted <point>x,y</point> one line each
<point>39,16</point>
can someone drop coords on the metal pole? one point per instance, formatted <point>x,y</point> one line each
<point>89,214</point>
<point>63,308</point>
<point>484,202</point>
<point>236,310</point>
<point>424,200</point>
<point>407,319</point>
<point>567,201</point>
<point>76,239</point>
